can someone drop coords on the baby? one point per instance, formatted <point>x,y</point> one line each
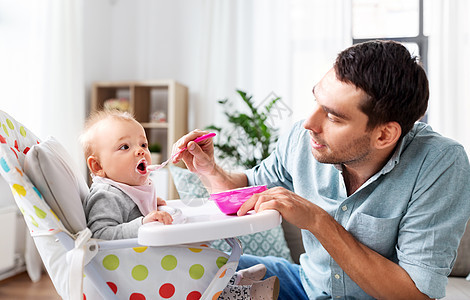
<point>122,196</point>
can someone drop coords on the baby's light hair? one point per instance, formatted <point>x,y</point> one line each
<point>86,138</point>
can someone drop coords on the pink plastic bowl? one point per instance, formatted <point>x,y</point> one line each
<point>230,201</point>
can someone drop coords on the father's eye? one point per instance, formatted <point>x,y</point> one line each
<point>124,147</point>
<point>332,118</point>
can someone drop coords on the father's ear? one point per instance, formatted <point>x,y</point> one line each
<point>387,135</point>
<point>95,166</point>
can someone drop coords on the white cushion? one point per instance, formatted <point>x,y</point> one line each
<point>57,178</point>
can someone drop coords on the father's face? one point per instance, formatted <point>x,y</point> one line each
<point>337,126</point>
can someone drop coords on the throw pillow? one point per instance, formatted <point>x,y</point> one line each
<point>52,171</point>
<point>269,242</point>
<point>188,184</point>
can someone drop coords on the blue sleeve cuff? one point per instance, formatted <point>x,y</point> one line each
<point>430,281</point>
<point>250,177</point>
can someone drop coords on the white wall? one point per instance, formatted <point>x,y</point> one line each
<point>208,46</point>
<point>140,40</point>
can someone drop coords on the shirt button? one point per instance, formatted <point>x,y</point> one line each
<point>337,276</point>
<point>344,208</point>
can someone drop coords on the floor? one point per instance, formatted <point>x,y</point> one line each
<point>20,287</point>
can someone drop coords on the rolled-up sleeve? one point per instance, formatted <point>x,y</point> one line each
<point>435,221</point>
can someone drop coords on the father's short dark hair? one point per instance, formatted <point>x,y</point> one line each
<point>393,79</point>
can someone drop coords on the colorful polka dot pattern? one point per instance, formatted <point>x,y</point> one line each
<point>15,142</point>
<point>176,272</point>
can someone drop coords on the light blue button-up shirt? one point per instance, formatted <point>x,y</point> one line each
<point>413,211</point>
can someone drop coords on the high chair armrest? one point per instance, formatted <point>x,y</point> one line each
<point>205,223</point>
<point>118,244</point>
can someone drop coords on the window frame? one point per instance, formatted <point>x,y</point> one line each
<point>421,40</point>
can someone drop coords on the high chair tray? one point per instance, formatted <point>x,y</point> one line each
<point>205,223</point>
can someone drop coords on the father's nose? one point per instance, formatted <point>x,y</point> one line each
<point>313,122</point>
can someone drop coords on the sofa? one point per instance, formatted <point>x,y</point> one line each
<point>286,240</point>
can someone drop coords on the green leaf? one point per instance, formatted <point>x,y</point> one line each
<point>247,132</point>
<point>214,128</point>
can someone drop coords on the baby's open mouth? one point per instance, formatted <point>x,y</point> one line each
<point>142,167</point>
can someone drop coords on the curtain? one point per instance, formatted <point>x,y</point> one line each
<point>42,78</point>
<point>320,30</point>
<point>449,69</point>
<point>42,71</point>
<point>245,45</point>
<point>269,48</point>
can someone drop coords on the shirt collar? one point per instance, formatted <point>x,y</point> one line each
<point>401,147</point>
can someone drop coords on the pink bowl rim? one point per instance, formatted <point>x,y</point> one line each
<point>221,199</point>
<point>239,190</point>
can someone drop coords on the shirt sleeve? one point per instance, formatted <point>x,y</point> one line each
<point>435,220</point>
<point>108,216</point>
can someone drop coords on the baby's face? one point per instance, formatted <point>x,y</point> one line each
<point>122,150</point>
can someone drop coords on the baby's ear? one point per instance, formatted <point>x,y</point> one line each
<point>95,166</point>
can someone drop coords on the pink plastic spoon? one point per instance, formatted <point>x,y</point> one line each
<point>163,164</point>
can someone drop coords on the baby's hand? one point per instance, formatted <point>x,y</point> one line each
<point>159,216</point>
<point>160,201</point>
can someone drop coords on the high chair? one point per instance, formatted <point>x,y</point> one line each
<point>85,268</point>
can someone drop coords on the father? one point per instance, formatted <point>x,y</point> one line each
<point>382,201</point>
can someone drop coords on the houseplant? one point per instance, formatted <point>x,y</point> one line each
<point>155,153</point>
<point>248,138</point>
<point>244,142</point>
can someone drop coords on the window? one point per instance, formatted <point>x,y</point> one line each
<point>398,20</point>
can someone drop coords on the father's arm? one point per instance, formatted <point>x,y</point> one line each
<point>220,180</point>
<point>375,274</point>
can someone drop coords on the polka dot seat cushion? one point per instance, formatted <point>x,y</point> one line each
<point>15,142</point>
<point>126,270</point>
<point>176,272</point>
